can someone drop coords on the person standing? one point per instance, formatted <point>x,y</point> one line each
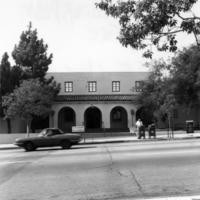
<point>138,125</point>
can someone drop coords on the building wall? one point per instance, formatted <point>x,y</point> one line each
<point>17,126</point>
<point>183,115</point>
<point>104,107</point>
<point>104,87</point>
<point>103,79</point>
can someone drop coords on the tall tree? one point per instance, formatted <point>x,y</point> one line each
<point>5,85</point>
<point>158,93</point>
<point>5,68</point>
<point>185,73</point>
<point>32,98</point>
<point>153,22</point>
<point>16,76</point>
<point>31,54</point>
<point>31,62</point>
<point>181,86</point>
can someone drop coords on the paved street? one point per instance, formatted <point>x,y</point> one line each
<point>102,171</point>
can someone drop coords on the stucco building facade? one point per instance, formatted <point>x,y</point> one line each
<point>96,100</point>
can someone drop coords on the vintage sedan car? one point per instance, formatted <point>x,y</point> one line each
<point>49,137</point>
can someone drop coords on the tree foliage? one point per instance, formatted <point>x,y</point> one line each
<point>32,98</point>
<point>185,72</point>
<point>156,88</point>
<point>152,22</point>
<point>9,77</point>
<point>31,64</point>
<point>31,54</point>
<point>5,70</point>
<point>164,92</point>
<point>5,83</point>
<point>157,95</point>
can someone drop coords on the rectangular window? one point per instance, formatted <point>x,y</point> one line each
<point>116,86</point>
<point>69,86</point>
<point>92,86</point>
<point>139,86</point>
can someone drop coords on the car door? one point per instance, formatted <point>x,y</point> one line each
<point>46,139</point>
<point>49,138</point>
<point>56,137</point>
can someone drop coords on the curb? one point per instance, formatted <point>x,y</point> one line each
<point>192,197</point>
<point>138,140</point>
<point>11,146</point>
<point>8,147</point>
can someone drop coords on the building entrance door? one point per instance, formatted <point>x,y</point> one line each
<point>118,119</point>
<point>66,119</point>
<point>93,118</point>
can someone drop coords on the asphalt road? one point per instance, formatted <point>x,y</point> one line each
<point>102,172</point>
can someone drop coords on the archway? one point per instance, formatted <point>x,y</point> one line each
<point>118,118</point>
<point>39,123</point>
<point>93,118</point>
<point>145,115</point>
<point>66,119</point>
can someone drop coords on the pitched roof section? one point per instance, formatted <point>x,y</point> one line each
<point>116,97</point>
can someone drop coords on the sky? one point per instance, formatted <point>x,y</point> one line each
<point>80,36</point>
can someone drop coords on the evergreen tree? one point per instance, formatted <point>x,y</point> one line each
<point>31,55</point>
<point>16,76</point>
<point>31,62</point>
<point>5,68</point>
<point>5,85</point>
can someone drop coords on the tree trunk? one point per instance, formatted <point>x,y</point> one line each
<point>8,121</point>
<point>169,125</point>
<point>172,127</point>
<point>28,122</point>
<point>27,129</point>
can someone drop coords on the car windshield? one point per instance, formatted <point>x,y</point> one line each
<point>61,131</point>
<point>57,131</point>
<point>42,133</point>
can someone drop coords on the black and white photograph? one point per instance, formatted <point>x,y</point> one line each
<point>100,100</point>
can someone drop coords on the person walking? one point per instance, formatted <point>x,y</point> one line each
<point>138,125</point>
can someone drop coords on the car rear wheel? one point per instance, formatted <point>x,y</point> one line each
<point>29,146</point>
<point>66,144</point>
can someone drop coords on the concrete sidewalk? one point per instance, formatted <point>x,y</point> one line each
<point>119,139</point>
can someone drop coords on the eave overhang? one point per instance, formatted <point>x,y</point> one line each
<point>82,98</point>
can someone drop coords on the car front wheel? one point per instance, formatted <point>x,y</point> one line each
<point>29,146</point>
<point>66,144</point>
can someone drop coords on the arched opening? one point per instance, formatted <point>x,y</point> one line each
<point>38,123</point>
<point>118,118</point>
<point>145,115</point>
<point>93,118</point>
<point>66,119</point>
